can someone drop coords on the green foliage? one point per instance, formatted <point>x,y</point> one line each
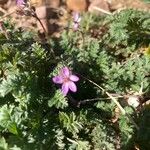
<point>103,137</point>
<point>143,135</point>
<point>58,100</point>
<point>70,122</point>
<point>79,145</point>
<point>35,115</point>
<point>128,30</point>
<point>59,136</point>
<point>146,1</point>
<point>3,144</point>
<point>127,133</point>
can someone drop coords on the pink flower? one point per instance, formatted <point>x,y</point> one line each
<point>76,20</point>
<point>20,3</point>
<point>67,79</point>
<point>20,7</point>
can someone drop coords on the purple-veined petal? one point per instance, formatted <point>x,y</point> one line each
<point>74,78</point>
<point>65,72</point>
<point>65,88</point>
<point>76,16</point>
<point>58,79</point>
<point>20,2</point>
<point>72,86</point>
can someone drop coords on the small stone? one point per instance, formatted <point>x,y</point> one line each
<point>133,101</point>
<point>47,3</point>
<point>77,5</point>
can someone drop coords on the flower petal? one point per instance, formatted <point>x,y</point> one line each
<point>20,2</point>
<point>76,16</point>
<point>79,19</point>
<point>58,79</point>
<point>65,88</point>
<point>75,26</point>
<point>65,71</point>
<point>74,78</point>
<point>72,86</point>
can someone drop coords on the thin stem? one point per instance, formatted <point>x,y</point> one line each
<point>97,99</point>
<point>109,95</point>
<point>7,14</point>
<point>114,100</point>
<point>34,15</point>
<point>40,23</point>
<point>3,10</point>
<point>72,141</point>
<point>92,99</point>
<point>102,10</point>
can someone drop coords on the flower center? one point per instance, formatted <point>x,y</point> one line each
<point>66,79</point>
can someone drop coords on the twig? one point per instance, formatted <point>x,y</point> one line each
<point>41,23</point>
<point>8,14</point>
<point>72,141</point>
<point>102,10</point>
<point>119,10</point>
<point>3,10</point>
<point>114,100</point>
<point>109,95</point>
<point>93,99</point>
<point>107,12</point>
<point>33,15</point>
<point>89,100</point>
<point>96,99</point>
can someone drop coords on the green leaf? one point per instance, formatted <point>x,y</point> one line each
<point>5,116</point>
<point>6,119</point>
<point>15,148</point>
<point>58,100</point>
<point>3,144</point>
<point>70,122</point>
<point>5,87</point>
<point>79,145</point>
<point>13,128</point>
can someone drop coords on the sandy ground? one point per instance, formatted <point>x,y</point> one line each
<point>56,17</point>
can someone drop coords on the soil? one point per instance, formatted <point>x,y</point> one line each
<point>56,13</point>
<point>135,4</point>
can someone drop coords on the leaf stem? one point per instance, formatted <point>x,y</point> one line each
<point>41,24</point>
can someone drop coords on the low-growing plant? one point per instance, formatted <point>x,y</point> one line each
<point>72,93</point>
